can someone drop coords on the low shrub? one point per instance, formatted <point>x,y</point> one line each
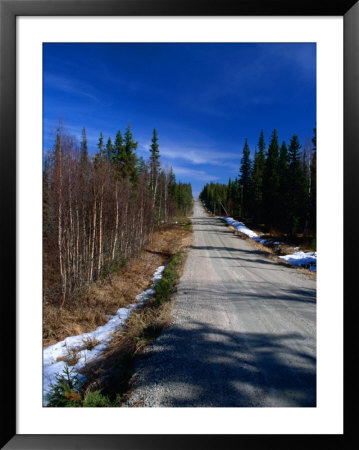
<point>97,400</point>
<point>166,284</point>
<point>313,244</point>
<point>66,392</point>
<point>188,226</point>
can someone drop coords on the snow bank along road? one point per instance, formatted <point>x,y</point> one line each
<point>244,332</point>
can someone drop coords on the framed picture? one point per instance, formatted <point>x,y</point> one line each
<point>25,26</point>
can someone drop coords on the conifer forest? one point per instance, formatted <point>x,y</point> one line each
<point>277,188</point>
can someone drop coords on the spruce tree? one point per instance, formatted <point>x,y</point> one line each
<point>283,161</point>
<point>110,151</point>
<point>271,204</point>
<point>257,180</point>
<point>183,197</point>
<point>297,188</point>
<point>171,182</point>
<point>118,158</point>
<point>141,165</point>
<point>118,144</point>
<point>229,197</point>
<point>129,156</point>
<point>84,158</point>
<point>100,155</point>
<point>154,162</point>
<point>125,159</point>
<point>100,144</point>
<point>283,197</point>
<point>237,197</point>
<point>245,179</point>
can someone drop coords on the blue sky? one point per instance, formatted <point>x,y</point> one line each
<point>203,99</point>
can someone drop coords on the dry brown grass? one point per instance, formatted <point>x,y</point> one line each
<point>111,373</point>
<point>71,358</point>
<point>89,310</point>
<point>89,343</point>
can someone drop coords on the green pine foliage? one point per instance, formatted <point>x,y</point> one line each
<point>118,155</point>
<point>130,151</point>
<point>215,197</point>
<point>245,179</point>
<point>281,193</point>
<point>141,166</point>
<point>297,188</point>
<point>271,204</point>
<point>103,206</point>
<point>66,392</point>
<point>171,181</point>
<point>100,144</point>
<point>166,284</point>
<point>154,161</point>
<point>84,157</point>
<point>283,185</point>
<point>122,157</point>
<point>232,200</point>
<point>110,150</point>
<point>182,195</point>
<point>256,186</point>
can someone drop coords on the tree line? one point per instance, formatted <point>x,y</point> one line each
<point>276,188</point>
<point>98,211</point>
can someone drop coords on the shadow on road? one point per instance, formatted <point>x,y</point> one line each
<point>235,294</point>
<point>250,256</point>
<point>219,369</point>
<point>240,338</point>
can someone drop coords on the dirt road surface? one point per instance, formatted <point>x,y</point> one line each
<point>244,333</point>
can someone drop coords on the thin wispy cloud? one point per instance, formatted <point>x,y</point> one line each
<point>203,99</point>
<point>75,130</point>
<point>193,174</point>
<point>201,156</point>
<point>70,86</point>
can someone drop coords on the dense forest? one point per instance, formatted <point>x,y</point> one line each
<point>276,189</point>
<point>99,211</point>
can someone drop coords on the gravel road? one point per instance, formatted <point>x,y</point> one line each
<point>244,331</point>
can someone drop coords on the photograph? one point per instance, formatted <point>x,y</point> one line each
<point>170,174</point>
<point>179,224</point>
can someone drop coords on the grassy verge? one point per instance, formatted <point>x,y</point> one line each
<point>166,284</point>
<point>90,309</point>
<point>108,378</point>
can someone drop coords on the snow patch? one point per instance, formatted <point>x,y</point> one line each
<point>101,338</point>
<point>242,228</point>
<point>308,259</point>
<point>302,259</point>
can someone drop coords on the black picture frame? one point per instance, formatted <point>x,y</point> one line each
<point>9,10</point>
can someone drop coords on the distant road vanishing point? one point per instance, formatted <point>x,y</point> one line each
<point>244,331</point>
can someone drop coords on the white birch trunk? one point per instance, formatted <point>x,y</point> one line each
<point>99,265</point>
<point>93,242</point>
<point>116,226</point>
